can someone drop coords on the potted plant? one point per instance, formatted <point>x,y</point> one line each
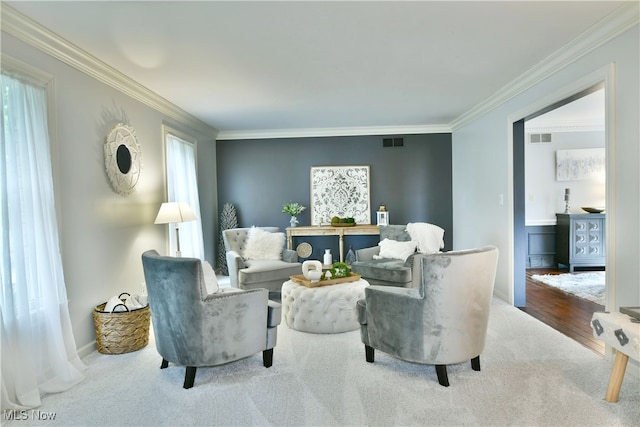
<point>294,210</point>
<point>340,270</point>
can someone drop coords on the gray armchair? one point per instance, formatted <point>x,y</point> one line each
<point>385,271</point>
<point>196,329</point>
<point>257,273</point>
<point>442,320</point>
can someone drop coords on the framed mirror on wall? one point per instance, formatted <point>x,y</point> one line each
<point>122,159</point>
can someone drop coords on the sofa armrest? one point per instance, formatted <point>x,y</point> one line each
<point>367,254</point>
<point>275,314</point>
<point>289,255</point>
<point>392,292</point>
<point>361,311</point>
<point>234,263</point>
<point>398,309</point>
<point>235,321</point>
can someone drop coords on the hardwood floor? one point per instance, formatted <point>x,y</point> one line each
<point>565,313</point>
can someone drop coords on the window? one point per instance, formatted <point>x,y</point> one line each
<point>38,349</point>
<point>182,186</point>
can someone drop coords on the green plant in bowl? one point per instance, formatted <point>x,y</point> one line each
<point>344,220</point>
<point>340,270</point>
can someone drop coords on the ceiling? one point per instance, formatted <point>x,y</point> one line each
<point>584,113</point>
<point>264,66</point>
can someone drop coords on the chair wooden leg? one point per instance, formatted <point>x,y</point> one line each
<point>475,363</point>
<point>267,358</point>
<point>189,377</point>
<point>617,374</point>
<point>369,353</point>
<point>164,364</point>
<point>441,371</point>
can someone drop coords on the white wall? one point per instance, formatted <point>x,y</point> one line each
<point>481,168</point>
<point>544,194</point>
<point>103,234</point>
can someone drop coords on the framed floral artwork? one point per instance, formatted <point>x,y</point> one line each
<point>341,191</point>
<point>580,164</point>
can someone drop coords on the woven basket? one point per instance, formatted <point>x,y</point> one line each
<point>121,332</point>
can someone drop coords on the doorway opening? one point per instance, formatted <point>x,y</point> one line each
<point>544,195</point>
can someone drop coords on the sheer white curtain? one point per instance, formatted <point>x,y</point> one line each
<point>182,186</point>
<point>38,349</point>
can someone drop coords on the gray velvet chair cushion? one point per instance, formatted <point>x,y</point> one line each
<point>443,319</point>
<point>385,271</point>
<point>195,329</point>
<point>257,271</point>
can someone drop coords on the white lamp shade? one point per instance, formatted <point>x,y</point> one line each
<point>174,212</point>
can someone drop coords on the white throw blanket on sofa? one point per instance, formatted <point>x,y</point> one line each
<point>430,237</point>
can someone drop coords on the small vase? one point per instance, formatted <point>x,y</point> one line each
<point>293,221</point>
<point>328,260</point>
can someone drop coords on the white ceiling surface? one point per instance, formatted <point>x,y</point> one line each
<point>585,112</point>
<point>260,66</point>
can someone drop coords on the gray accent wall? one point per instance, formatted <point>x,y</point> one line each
<point>413,181</point>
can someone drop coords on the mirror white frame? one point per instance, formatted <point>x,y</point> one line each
<point>122,159</point>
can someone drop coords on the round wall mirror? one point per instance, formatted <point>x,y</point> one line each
<point>122,158</point>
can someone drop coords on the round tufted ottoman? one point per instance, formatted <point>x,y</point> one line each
<point>324,309</point>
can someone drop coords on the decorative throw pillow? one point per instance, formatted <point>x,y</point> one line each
<point>396,250</point>
<point>263,245</point>
<point>210,279</point>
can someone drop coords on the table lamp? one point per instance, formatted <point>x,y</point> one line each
<point>175,212</point>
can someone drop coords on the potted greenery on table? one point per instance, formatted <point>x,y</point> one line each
<point>294,210</point>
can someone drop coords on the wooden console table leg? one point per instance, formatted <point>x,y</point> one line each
<point>619,366</point>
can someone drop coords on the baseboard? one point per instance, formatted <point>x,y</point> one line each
<point>502,296</point>
<point>87,349</point>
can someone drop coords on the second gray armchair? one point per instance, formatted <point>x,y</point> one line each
<point>442,319</point>
<point>257,258</point>
<point>390,262</point>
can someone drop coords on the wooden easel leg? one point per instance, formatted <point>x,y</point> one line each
<point>619,366</point>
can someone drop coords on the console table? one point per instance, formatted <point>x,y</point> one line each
<point>580,240</point>
<point>328,230</point>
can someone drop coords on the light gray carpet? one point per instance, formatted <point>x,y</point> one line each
<point>531,375</point>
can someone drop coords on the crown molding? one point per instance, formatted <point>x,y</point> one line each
<point>326,132</point>
<point>30,32</point>
<point>619,21</point>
